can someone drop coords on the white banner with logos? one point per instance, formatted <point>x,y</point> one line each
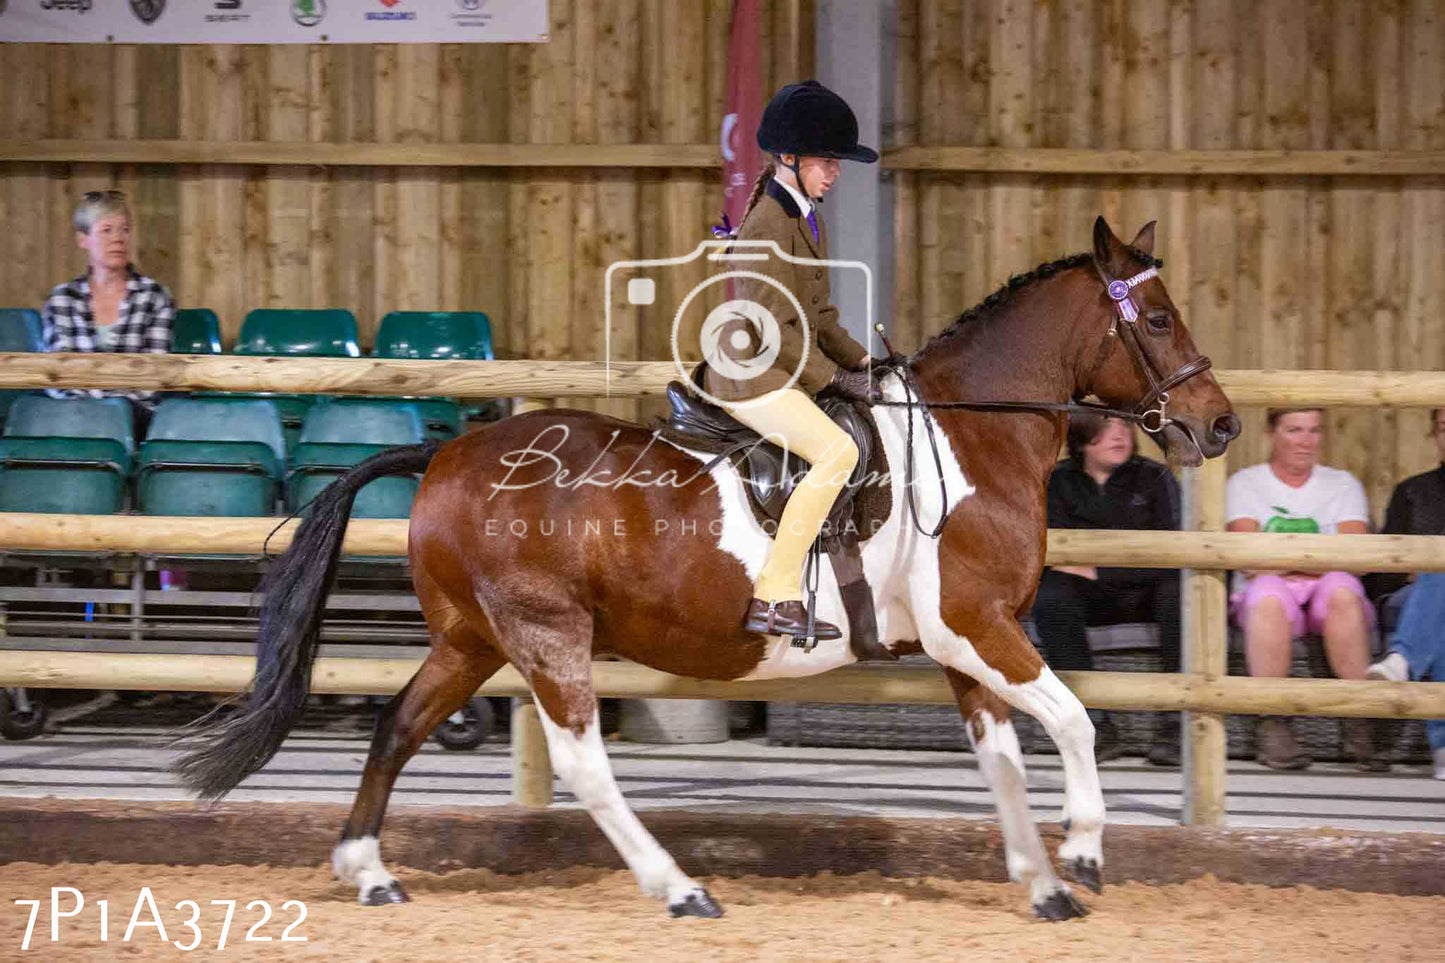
<point>273,21</point>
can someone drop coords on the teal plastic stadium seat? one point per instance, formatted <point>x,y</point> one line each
<point>40,416</point>
<point>435,335</point>
<point>65,456</point>
<point>20,330</point>
<point>211,457</point>
<point>196,331</point>
<point>329,332</point>
<point>363,421</point>
<point>338,435</point>
<point>291,408</point>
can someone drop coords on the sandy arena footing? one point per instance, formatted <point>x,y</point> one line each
<point>508,840</point>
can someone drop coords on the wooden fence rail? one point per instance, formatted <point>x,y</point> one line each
<point>858,684</point>
<point>163,534</point>
<point>561,379</point>
<point>992,160</point>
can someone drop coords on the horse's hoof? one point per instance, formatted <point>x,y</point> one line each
<point>1085,872</point>
<point>697,903</point>
<point>385,895</point>
<point>1060,906</point>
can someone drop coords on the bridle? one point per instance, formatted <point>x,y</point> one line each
<point>1128,312</point>
<point>1149,412</point>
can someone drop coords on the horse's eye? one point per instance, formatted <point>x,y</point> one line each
<point>1158,320</point>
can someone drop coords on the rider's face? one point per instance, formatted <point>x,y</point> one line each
<point>817,174</point>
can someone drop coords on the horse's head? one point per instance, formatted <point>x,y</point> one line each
<point>1157,371</point>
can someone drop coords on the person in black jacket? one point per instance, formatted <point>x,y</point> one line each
<point>1417,507</point>
<point>1103,484</point>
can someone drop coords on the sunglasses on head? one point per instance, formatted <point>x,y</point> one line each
<point>104,195</point>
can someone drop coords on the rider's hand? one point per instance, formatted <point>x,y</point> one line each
<point>857,384</point>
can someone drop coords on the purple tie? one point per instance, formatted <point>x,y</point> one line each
<point>813,223</point>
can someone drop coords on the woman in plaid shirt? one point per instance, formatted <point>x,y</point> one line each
<point>112,307</point>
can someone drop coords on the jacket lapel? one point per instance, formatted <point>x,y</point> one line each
<point>780,194</point>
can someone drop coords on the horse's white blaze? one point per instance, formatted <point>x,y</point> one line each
<point>581,762</point>
<point>358,861</point>
<point>1002,765</point>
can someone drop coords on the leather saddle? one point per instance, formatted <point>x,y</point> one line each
<point>770,476</point>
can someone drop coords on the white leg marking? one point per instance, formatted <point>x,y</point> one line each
<point>1001,763</point>
<point>358,861</point>
<point>1062,714</point>
<point>581,762</point>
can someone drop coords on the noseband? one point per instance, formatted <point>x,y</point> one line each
<point>1149,411</point>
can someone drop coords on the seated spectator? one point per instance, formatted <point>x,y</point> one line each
<point>1292,492</point>
<point>112,307</point>
<point>1104,484</point>
<point>1417,644</point>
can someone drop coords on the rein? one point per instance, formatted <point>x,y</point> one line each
<point>1149,413</point>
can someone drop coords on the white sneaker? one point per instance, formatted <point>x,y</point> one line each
<point>1440,763</point>
<point>1392,668</point>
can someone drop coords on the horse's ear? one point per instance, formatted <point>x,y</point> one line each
<point>1105,243</point>
<point>1145,239</point>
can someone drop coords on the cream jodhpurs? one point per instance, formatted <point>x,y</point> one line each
<point>792,421</point>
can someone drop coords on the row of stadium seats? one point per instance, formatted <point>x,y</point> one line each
<point>229,453</point>
<point>201,456</point>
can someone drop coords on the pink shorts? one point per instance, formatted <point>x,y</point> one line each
<point>1305,598</point>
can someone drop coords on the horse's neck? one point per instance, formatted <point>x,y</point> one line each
<point>1023,354</point>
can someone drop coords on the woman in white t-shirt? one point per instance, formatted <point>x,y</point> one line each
<point>1292,492</point>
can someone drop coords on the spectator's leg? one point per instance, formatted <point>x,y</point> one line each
<point>1342,614</point>
<point>1272,618</point>
<point>1165,611</point>
<point>1061,613</point>
<point>1419,639</point>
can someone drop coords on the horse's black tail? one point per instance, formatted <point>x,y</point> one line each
<point>293,595</point>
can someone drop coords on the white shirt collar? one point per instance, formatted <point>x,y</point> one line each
<point>805,206</point>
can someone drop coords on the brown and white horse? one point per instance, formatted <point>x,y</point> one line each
<point>550,537</point>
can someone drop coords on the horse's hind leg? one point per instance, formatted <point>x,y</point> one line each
<point>564,694</point>
<point>996,745</point>
<point>458,663</point>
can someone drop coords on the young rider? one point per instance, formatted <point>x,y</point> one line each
<point>807,129</point>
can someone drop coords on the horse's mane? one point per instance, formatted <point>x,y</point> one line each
<point>994,304</point>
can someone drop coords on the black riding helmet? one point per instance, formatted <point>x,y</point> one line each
<point>809,120</point>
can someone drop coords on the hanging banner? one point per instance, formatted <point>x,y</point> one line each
<point>742,159</point>
<point>273,21</point>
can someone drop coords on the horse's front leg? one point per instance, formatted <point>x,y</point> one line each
<point>999,654</point>
<point>996,746</point>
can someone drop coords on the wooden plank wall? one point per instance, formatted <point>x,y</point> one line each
<point>1270,272</point>
<point>528,247</point>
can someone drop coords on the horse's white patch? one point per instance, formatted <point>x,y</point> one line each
<point>891,556</point>
<point>358,861</point>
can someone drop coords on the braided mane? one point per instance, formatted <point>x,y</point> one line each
<point>996,302</point>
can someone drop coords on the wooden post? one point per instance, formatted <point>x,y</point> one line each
<point>1205,639</point>
<point>531,765</point>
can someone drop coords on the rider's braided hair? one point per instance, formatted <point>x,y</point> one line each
<point>759,186</point>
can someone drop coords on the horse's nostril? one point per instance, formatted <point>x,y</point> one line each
<point>1227,428</point>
